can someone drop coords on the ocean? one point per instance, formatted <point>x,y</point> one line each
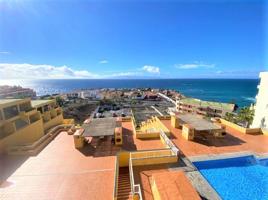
<point>240,91</point>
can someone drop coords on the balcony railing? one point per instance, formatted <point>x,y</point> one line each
<point>116,177</point>
<point>135,188</point>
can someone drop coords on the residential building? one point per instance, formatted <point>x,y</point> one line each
<point>16,92</point>
<point>51,113</point>
<point>204,108</point>
<point>90,94</point>
<point>109,158</point>
<point>23,121</point>
<point>261,108</point>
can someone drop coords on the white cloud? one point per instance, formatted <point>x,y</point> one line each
<point>120,74</point>
<point>43,71</point>
<point>32,71</point>
<point>194,65</point>
<point>151,69</point>
<point>4,52</point>
<point>103,62</point>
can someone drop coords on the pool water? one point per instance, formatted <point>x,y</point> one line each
<point>243,178</point>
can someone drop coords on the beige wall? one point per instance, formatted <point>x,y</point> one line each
<point>53,122</point>
<point>25,135</point>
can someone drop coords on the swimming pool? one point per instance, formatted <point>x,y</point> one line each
<point>237,178</point>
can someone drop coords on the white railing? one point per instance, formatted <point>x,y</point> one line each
<point>116,177</point>
<point>135,188</point>
<point>173,148</point>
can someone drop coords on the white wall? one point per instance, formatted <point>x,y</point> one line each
<point>261,108</point>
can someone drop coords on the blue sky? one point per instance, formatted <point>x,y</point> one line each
<point>132,39</point>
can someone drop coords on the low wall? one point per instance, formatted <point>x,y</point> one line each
<point>143,135</point>
<point>126,119</point>
<point>26,135</point>
<point>68,121</point>
<point>241,129</point>
<point>264,132</point>
<point>123,158</point>
<point>154,160</point>
<point>162,126</point>
<point>156,153</point>
<point>53,122</point>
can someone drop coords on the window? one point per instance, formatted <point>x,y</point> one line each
<point>40,109</point>
<point>10,112</point>
<point>25,107</point>
<point>46,108</point>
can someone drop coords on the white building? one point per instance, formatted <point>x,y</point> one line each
<point>90,94</point>
<point>261,109</point>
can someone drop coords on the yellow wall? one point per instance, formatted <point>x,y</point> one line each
<point>156,153</point>
<point>174,122</point>
<point>154,160</point>
<point>53,122</point>
<point>25,135</point>
<point>187,132</point>
<point>162,126</point>
<point>155,191</point>
<point>241,129</point>
<point>265,132</point>
<point>142,135</point>
<point>68,121</point>
<point>123,158</point>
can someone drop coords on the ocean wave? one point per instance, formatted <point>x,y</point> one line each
<point>252,99</point>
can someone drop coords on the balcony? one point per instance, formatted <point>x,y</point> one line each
<point>53,113</point>
<point>19,123</point>
<point>59,111</point>
<point>46,116</point>
<point>7,129</point>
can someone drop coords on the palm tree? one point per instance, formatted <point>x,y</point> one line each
<point>230,117</point>
<point>245,115</point>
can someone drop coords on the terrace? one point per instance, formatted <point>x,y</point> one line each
<point>91,172</point>
<point>50,175</point>
<point>234,141</point>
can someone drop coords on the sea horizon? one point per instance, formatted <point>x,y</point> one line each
<point>232,90</point>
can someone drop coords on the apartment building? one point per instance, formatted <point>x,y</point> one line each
<point>16,92</point>
<point>23,121</point>
<point>261,108</point>
<point>51,113</point>
<point>204,108</point>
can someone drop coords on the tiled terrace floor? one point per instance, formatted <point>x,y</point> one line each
<point>233,142</point>
<point>142,176</point>
<point>133,144</point>
<point>59,172</point>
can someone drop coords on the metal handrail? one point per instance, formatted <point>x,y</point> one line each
<point>173,148</point>
<point>116,177</point>
<point>135,188</point>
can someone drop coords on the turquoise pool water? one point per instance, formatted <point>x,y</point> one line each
<point>243,178</point>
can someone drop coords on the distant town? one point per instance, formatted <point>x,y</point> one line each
<point>142,103</point>
<point>128,139</point>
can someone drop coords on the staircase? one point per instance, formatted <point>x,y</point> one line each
<point>124,188</point>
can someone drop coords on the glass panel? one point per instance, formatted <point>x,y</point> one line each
<point>10,112</point>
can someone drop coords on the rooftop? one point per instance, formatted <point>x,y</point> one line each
<point>100,127</point>
<point>198,123</point>
<point>177,186</point>
<point>49,175</point>
<point>131,143</point>
<point>8,101</point>
<point>233,142</point>
<point>198,102</point>
<point>38,103</point>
